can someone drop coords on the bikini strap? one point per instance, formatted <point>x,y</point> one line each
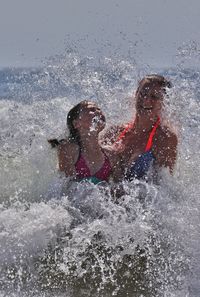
<point>126,129</point>
<point>150,140</point>
<point>153,131</point>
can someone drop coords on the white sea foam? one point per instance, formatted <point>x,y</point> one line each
<point>38,216</point>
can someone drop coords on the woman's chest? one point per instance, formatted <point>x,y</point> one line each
<point>136,143</point>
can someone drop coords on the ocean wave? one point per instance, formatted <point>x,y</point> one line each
<point>87,244</point>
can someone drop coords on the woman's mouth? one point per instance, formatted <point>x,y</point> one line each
<point>146,107</point>
<point>96,121</point>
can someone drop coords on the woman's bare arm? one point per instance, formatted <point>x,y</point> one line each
<point>115,160</point>
<point>67,156</point>
<point>166,150</point>
<point>109,136</point>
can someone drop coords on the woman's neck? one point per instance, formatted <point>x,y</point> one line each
<point>144,124</point>
<point>90,146</point>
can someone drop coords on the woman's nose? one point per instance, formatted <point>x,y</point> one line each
<point>148,102</point>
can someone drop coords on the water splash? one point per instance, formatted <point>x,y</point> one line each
<point>81,241</point>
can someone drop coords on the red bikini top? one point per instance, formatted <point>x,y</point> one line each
<point>150,139</point>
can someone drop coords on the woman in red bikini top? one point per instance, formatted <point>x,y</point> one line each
<point>81,156</point>
<point>141,165</point>
<point>146,140</point>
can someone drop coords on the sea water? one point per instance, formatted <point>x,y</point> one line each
<point>62,239</point>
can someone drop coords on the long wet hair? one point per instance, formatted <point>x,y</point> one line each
<point>74,136</point>
<point>73,114</point>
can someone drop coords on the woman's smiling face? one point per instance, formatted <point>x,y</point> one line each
<point>149,100</point>
<point>91,118</point>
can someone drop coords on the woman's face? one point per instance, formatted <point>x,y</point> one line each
<point>91,118</point>
<point>149,100</point>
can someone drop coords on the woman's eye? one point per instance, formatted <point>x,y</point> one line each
<point>143,95</point>
<point>156,97</point>
<point>93,108</point>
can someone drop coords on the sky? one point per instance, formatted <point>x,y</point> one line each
<point>153,32</point>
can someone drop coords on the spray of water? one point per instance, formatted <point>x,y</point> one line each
<point>76,238</point>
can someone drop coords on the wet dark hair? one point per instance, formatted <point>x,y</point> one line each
<point>74,136</point>
<point>54,142</point>
<point>73,114</point>
<point>157,80</point>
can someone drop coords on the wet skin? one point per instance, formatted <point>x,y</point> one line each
<point>90,123</point>
<point>149,104</point>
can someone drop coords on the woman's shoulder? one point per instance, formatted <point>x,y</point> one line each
<point>168,130</point>
<point>110,134</point>
<point>68,153</point>
<point>68,146</point>
<point>167,133</point>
